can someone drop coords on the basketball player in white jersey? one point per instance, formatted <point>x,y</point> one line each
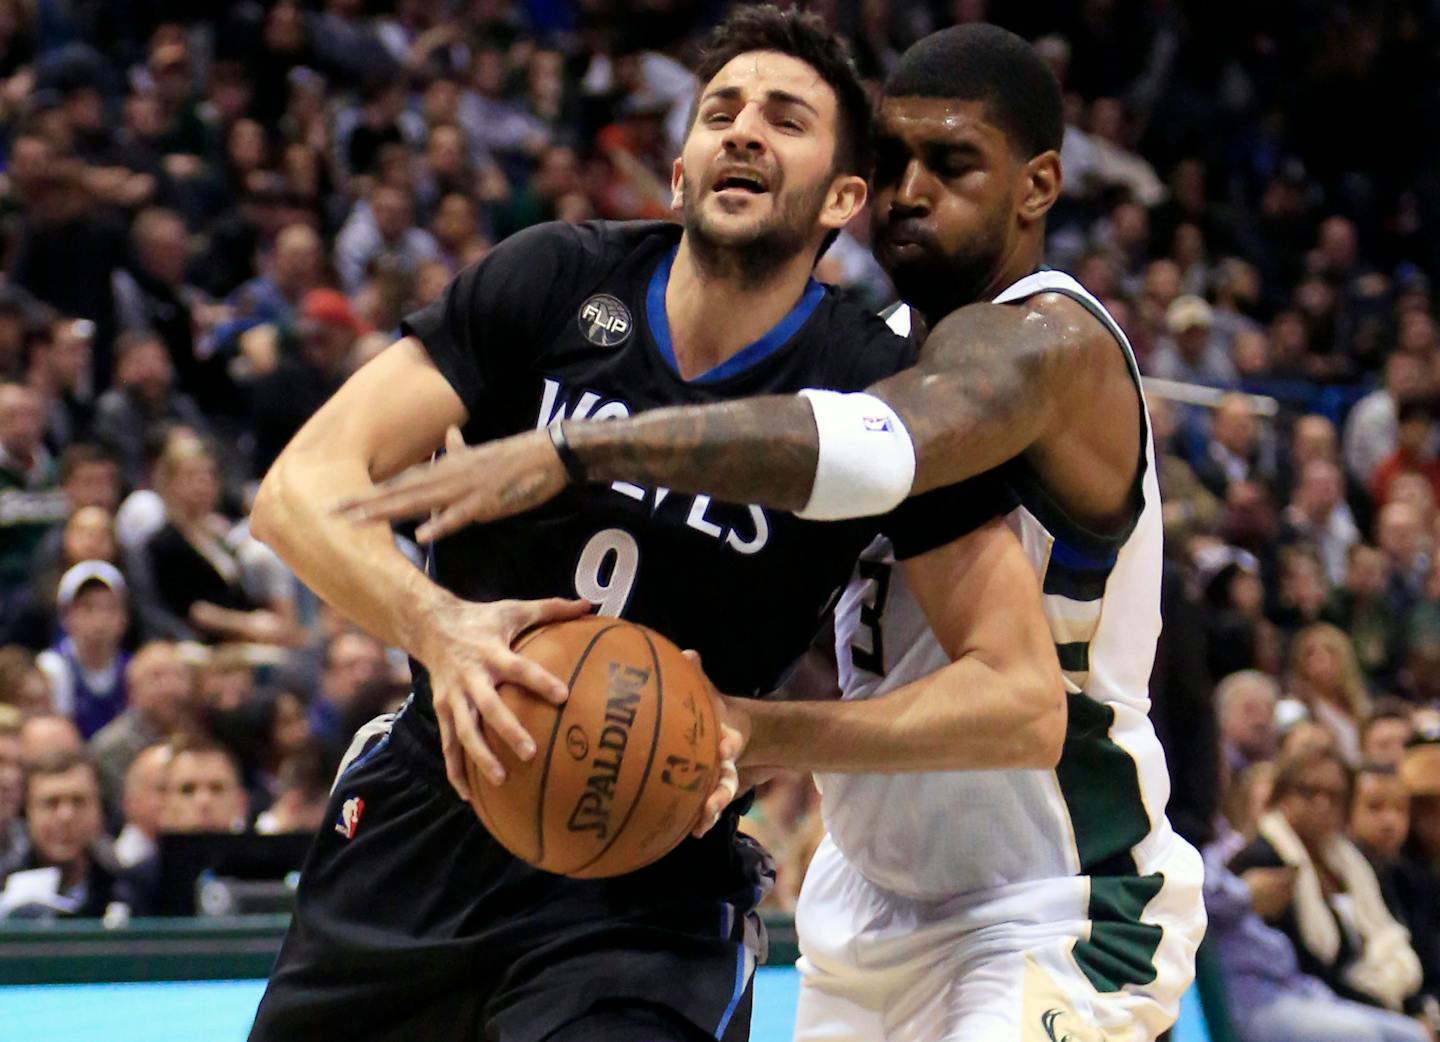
<point>985,899</point>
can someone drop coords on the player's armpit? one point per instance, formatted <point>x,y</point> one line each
<point>990,381</point>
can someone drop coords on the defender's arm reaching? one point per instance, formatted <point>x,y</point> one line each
<point>990,382</point>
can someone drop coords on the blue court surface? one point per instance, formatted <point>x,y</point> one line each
<point>220,1011</point>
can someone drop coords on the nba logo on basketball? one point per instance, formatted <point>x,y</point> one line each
<point>350,817</point>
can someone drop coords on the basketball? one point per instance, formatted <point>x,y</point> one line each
<point>621,771</point>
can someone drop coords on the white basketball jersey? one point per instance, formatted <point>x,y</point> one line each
<point>1102,810</point>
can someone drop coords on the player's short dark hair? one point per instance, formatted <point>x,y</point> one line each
<point>992,65</point>
<point>805,37</point>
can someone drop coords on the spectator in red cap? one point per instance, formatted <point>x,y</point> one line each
<point>302,380</point>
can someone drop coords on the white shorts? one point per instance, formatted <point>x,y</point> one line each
<point>994,967</point>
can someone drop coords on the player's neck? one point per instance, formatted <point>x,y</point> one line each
<point>1021,261</point>
<point>712,317</point>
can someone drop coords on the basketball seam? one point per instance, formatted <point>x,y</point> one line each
<point>649,758</point>
<point>550,749</point>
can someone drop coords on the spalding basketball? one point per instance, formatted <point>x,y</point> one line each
<point>621,771</point>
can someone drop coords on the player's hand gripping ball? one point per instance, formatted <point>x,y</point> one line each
<point>622,770</point>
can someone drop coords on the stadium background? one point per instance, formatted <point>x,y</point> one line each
<point>211,213</point>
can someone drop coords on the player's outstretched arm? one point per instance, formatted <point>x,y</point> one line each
<point>999,704</point>
<point>391,414</point>
<point>988,384</point>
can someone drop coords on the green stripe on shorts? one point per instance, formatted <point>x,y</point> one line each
<point>1121,948</point>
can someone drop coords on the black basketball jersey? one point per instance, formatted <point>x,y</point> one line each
<point>565,321</point>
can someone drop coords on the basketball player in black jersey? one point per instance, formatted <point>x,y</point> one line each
<point>411,922</point>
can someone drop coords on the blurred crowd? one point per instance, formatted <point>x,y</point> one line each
<point>211,214</point>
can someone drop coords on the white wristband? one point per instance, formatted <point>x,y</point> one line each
<point>867,461</point>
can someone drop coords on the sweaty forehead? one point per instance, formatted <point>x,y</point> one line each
<point>756,73</point>
<point>951,120</point>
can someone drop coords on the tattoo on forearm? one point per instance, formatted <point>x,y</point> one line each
<point>760,450</point>
<point>986,382</point>
<point>521,492</point>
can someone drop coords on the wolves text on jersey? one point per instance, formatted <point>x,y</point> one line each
<point>591,405</point>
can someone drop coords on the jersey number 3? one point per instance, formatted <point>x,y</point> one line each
<point>605,573</point>
<point>872,610</point>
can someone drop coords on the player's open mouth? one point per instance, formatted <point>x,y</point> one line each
<point>750,184</point>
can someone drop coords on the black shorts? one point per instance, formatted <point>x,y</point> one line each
<point>411,922</point>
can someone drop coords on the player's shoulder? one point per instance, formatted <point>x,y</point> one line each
<point>588,245</point>
<point>539,270</point>
<point>1058,293</point>
<point>859,346</point>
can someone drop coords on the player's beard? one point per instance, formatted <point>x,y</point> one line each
<point>941,282</point>
<point>765,248</point>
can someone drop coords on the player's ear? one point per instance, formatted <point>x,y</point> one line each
<point>677,186</point>
<point>845,200</point>
<point>1040,186</point>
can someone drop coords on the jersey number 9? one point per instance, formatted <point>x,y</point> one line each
<point>605,573</point>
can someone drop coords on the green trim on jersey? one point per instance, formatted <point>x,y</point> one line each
<point>1120,949</point>
<point>889,311</point>
<point>1100,783</point>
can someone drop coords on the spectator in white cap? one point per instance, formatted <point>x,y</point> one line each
<point>1192,352</point>
<point>86,667</point>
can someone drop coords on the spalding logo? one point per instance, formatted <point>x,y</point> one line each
<point>592,809</point>
<point>604,320</point>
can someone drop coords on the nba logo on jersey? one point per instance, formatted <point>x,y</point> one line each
<point>349,819</point>
<point>876,423</point>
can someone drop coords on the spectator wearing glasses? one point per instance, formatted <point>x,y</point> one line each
<point>1336,918</point>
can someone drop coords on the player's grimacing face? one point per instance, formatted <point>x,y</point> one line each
<point>946,187</point>
<point>759,157</point>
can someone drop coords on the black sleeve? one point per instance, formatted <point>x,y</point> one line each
<point>942,515</point>
<point>862,349</point>
<point>494,314</point>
